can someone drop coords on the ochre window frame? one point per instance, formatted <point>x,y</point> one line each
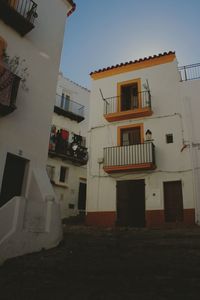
<point>124,83</point>
<point>120,128</point>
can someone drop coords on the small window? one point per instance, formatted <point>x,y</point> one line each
<point>169,138</point>
<point>64,174</point>
<point>71,206</point>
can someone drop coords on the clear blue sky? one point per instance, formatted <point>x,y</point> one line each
<point>107,32</point>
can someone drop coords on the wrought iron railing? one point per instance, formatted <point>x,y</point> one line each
<point>190,72</point>
<point>129,155</point>
<point>26,8</point>
<point>9,84</point>
<point>69,105</point>
<point>19,14</point>
<point>68,145</point>
<point>118,103</point>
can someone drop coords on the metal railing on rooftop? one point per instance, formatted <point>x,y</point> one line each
<point>190,72</point>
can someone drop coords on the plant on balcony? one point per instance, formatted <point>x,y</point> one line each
<point>16,65</point>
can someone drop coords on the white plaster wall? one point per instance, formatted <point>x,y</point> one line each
<point>27,128</point>
<point>102,191</point>
<point>25,132</point>
<point>172,163</point>
<point>67,193</point>
<point>190,93</point>
<point>165,92</point>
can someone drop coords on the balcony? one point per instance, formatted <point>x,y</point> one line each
<point>117,108</point>
<point>69,108</point>
<point>190,72</point>
<point>19,14</point>
<point>67,146</point>
<point>9,84</point>
<point>129,158</point>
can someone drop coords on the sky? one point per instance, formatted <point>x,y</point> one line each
<point>104,33</point>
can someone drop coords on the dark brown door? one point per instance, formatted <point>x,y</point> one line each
<point>173,201</point>
<point>131,203</point>
<point>82,197</point>
<point>12,178</point>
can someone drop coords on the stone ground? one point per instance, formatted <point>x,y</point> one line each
<point>109,264</point>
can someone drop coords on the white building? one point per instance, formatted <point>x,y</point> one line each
<point>67,163</point>
<point>29,212</point>
<point>140,171</point>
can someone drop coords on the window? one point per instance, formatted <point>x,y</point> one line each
<point>130,135</point>
<point>71,205</point>
<point>129,94</point>
<point>65,100</point>
<point>169,138</point>
<point>64,174</point>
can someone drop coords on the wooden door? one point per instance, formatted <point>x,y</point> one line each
<point>12,178</point>
<point>82,196</point>
<point>173,201</point>
<point>131,203</point>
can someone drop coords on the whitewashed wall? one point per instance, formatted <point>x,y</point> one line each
<point>67,193</point>
<point>167,117</point>
<point>26,130</point>
<point>190,93</point>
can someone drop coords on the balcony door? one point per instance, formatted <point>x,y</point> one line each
<point>129,97</point>
<point>131,136</point>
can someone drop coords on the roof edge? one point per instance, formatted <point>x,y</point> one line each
<point>73,5</point>
<point>141,63</point>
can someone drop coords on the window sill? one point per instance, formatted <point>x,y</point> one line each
<point>60,184</point>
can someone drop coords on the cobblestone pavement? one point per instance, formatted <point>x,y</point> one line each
<point>109,264</point>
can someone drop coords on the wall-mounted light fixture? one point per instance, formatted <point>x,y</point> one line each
<point>148,135</point>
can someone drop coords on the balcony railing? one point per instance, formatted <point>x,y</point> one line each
<point>67,148</point>
<point>9,84</point>
<point>119,108</point>
<point>129,158</point>
<point>19,14</point>
<point>190,72</point>
<point>69,108</point>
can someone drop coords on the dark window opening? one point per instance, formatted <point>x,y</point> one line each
<point>129,97</point>
<point>169,138</point>
<point>63,173</point>
<point>71,206</point>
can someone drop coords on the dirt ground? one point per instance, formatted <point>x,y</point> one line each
<point>109,264</point>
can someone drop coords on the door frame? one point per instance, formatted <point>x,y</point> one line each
<point>138,179</point>
<point>164,197</point>
<point>26,171</point>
